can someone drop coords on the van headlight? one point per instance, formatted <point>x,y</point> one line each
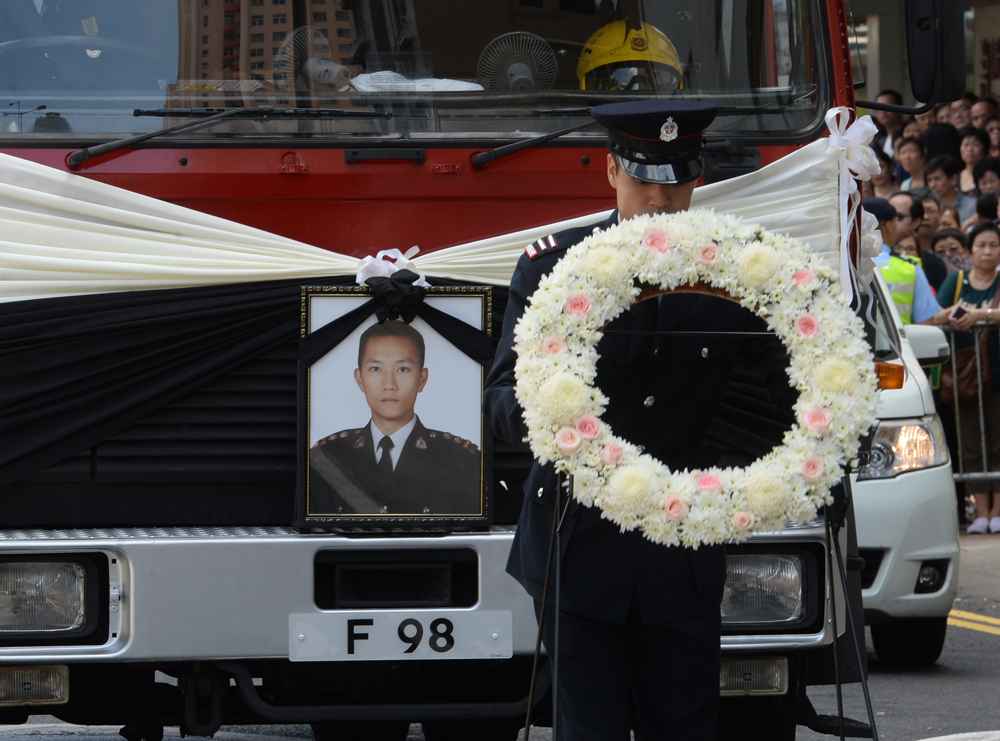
<point>42,597</point>
<point>905,445</point>
<point>763,589</point>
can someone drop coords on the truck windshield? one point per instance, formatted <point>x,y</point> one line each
<point>82,69</point>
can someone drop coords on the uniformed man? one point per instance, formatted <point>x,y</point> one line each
<point>638,619</point>
<point>393,465</point>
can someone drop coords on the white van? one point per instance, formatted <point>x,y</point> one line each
<point>904,498</point>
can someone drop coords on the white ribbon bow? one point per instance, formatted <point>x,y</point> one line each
<point>380,265</point>
<point>850,143</point>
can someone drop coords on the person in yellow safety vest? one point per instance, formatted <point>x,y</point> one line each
<point>907,282</point>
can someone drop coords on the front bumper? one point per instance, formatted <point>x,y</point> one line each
<point>910,519</point>
<point>200,594</point>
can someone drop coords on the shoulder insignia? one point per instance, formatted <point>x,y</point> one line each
<point>420,444</point>
<point>433,434</point>
<point>447,436</point>
<point>345,433</point>
<point>540,246</point>
<point>359,442</point>
<point>471,446</point>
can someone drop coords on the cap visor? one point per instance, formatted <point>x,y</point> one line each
<point>682,172</point>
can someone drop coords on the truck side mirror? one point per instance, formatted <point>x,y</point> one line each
<point>935,45</point>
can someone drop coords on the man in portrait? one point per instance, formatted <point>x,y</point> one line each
<point>393,464</point>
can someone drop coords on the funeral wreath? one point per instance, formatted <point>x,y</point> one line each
<point>776,277</point>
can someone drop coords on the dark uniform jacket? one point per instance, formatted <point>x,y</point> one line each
<point>663,393</point>
<point>437,473</point>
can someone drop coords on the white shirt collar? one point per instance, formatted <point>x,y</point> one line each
<point>398,439</point>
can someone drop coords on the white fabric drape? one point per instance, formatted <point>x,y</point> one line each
<point>62,234</point>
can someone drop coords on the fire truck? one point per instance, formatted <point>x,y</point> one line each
<point>153,576</point>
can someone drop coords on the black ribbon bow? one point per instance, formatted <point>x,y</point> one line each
<point>397,298</point>
<point>400,299</point>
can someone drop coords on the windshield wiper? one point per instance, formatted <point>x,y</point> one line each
<point>205,116</point>
<point>481,159</point>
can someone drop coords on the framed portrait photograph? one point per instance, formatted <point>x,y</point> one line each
<point>391,429</point>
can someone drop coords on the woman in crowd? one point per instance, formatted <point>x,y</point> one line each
<point>953,247</point>
<point>910,153</point>
<point>882,184</point>
<point>992,129</point>
<point>975,145</point>
<point>908,245</point>
<point>987,174</point>
<point>949,218</point>
<point>966,303</point>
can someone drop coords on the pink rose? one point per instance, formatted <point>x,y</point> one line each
<point>588,426</point>
<point>743,520</point>
<point>803,275</point>
<point>675,507</point>
<point>806,325</point>
<point>657,239</point>
<point>577,304</point>
<point>812,468</point>
<point>568,440</point>
<point>818,419</point>
<point>709,483</point>
<point>611,454</point>
<point>709,253</point>
<point>553,345</point>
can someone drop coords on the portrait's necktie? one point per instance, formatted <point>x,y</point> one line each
<point>384,467</point>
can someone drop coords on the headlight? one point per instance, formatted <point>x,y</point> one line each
<point>905,445</point>
<point>763,589</point>
<point>41,597</point>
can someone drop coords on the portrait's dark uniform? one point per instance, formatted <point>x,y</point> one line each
<point>437,473</point>
<point>663,394</point>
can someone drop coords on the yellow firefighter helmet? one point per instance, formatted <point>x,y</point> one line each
<point>629,56</point>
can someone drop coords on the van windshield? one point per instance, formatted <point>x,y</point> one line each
<point>81,69</point>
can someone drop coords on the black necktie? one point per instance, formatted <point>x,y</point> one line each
<point>384,466</point>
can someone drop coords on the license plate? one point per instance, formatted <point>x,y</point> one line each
<point>396,635</point>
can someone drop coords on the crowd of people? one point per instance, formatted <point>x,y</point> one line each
<point>936,202</point>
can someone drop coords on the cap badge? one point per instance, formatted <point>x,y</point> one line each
<point>639,44</point>
<point>668,132</point>
<point>420,444</point>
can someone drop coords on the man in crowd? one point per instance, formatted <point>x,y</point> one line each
<point>941,174</point>
<point>891,123</point>
<point>961,111</point>
<point>907,282</point>
<point>983,110</point>
<point>909,218</point>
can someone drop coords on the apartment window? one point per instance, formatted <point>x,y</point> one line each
<point>256,38</point>
<point>206,2</point>
<point>319,17</point>
<point>275,50</point>
<point>204,65</point>
<point>279,18</point>
<point>257,77</point>
<point>204,21</point>
<point>345,47</point>
<point>256,3</point>
<point>278,36</point>
<point>256,20</point>
<point>341,15</point>
<point>228,64</point>
<point>256,52</point>
<point>256,65</point>
<point>229,52</point>
<point>279,75</point>
<point>277,2</point>
<point>204,39</point>
<point>230,19</point>
<point>204,53</point>
<point>343,33</point>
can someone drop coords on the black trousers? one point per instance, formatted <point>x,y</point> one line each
<point>669,671</point>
